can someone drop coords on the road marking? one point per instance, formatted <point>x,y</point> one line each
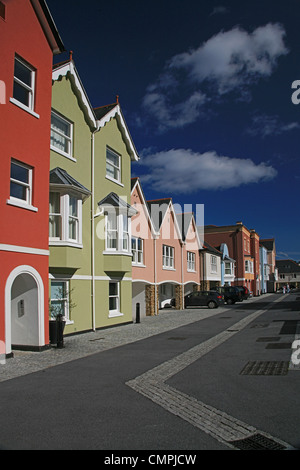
<point>212,421</point>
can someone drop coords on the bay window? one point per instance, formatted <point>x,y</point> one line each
<point>117,232</point>
<point>65,219</point>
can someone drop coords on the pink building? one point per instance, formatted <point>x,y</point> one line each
<point>165,248</point>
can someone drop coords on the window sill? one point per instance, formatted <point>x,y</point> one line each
<point>114,181</point>
<point>25,108</point>
<point>60,152</point>
<point>137,265</point>
<point>115,252</point>
<point>191,271</point>
<point>115,314</point>
<point>21,205</point>
<point>168,269</point>
<point>65,243</point>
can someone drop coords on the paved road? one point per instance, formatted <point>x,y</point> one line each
<point>191,380</point>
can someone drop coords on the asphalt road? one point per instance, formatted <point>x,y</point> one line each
<point>209,385</point>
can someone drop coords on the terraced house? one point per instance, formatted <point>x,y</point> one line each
<point>25,110</point>
<point>90,212</point>
<point>165,248</point>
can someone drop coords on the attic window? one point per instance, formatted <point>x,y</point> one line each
<point>2,10</point>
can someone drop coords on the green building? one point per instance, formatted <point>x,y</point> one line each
<point>89,209</point>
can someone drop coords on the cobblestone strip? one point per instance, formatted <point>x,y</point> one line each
<point>212,421</point>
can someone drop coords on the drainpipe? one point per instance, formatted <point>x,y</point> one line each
<point>93,232</point>
<point>155,278</point>
<point>182,273</point>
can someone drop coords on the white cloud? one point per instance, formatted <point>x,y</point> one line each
<point>182,171</point>
<point>265,126</point>
<point>229,61</point>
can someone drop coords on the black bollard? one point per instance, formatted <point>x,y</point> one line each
<point>137,314</point>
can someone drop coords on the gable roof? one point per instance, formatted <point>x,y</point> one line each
<point>185,220</point>
<point>211,249</point>
<point>287,266</point>
<point>47,23</point>
<point>135,183</point>
<point>68,69</point>
<point>60,179</point>
<point>158,209</point>
<point>104,114</point>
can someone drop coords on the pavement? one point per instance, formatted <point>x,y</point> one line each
<point>86,344</point>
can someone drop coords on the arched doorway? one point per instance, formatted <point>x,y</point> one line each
<point>24,309</point>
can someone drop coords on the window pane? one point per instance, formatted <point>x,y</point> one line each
<point>112,158</point>
<point>21,94</point>
<point>73,206</point>
<point>54,226</point>
<point>54,203</point>
<point>113,288</point>
<point>60,125</point>
<point>23,73</point>
<point>19,173</point>
<point>59,142</point>
<point>18,191</point>
<point>73,223</point>
<point>113,303</point>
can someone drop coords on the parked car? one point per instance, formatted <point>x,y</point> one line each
<point>231,294</point>
<point>211,299</point>
<point>245,292</point>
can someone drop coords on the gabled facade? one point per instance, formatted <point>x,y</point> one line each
<point>210,259</point>
<point>143,240</point>
<point>269,244</point>
<point>26,72</point>
<point>288,273</point>
<point>264,269</point>
<point>168,252</point>
<point>243,247</point>
<point>90,235</point>
<point>165,253</point>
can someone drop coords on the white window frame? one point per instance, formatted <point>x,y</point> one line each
<point>29,88</point>
<point>168,257</point>
<point>137,254</point>
<point>191,261</point>
<point>248,266</point>
<point>115,312</point>
<point>116,168</point>
<point>65,299</point>
<point>228,267</point>
<point>18,202</point>
<point>65,238</point>
<point>120,233</point>
<point>213,264</point>
<point>69,138</point>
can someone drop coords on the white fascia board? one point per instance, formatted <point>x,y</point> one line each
<point>117,113</point>
<point>70,68</point>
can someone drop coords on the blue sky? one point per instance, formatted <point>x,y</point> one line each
<point>205,87</point>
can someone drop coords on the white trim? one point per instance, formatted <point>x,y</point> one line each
<point>62,71</point>
<point>86,277</point>
<point>24,249</point>
<point>114,181</point>
<point>25,108</point>
<point>9,282</point>
<point>21,204</point>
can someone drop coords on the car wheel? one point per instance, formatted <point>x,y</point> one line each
<point>212,304</point>
<point>230,302</point>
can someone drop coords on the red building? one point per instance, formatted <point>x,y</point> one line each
<point>243,247</point>
<point>28,39</point>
